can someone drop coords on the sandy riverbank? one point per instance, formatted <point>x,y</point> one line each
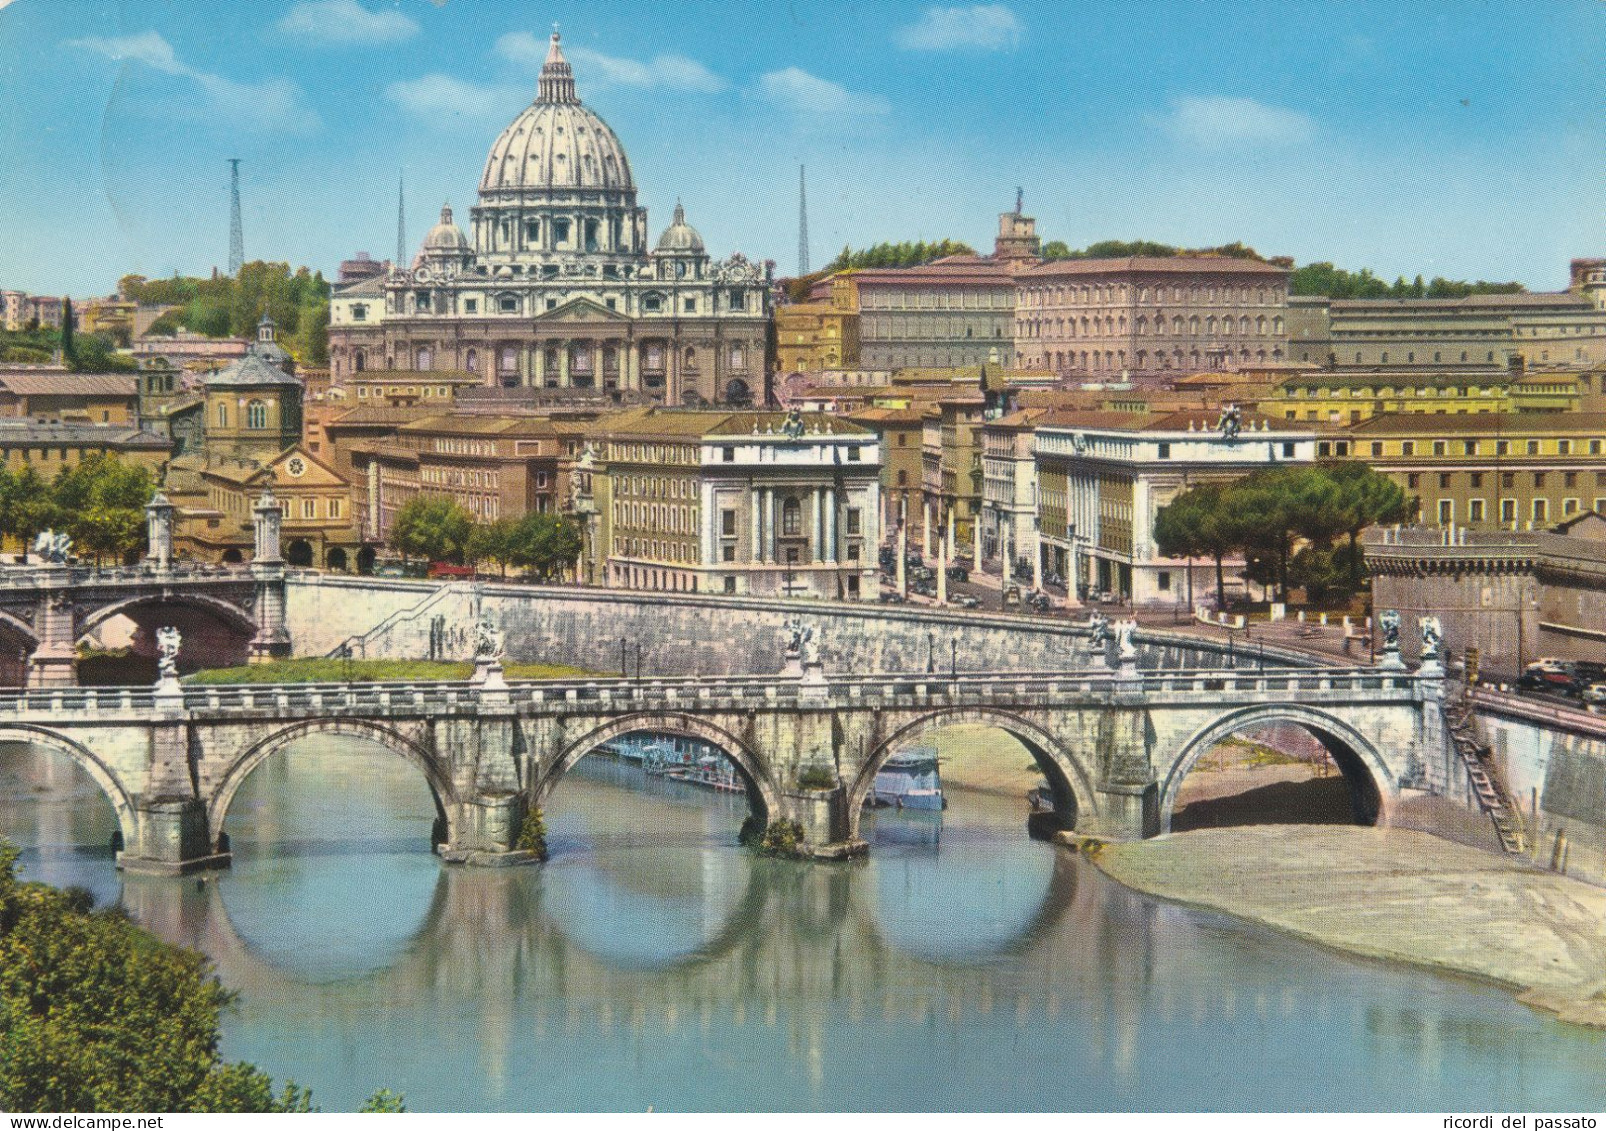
<point>1393,894</point>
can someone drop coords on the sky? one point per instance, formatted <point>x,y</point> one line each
<point>1455,138</point>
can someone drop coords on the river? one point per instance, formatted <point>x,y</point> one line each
<point>652,963</point>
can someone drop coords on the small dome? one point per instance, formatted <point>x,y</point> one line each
<point>446,236</point>
<point>680,236</point>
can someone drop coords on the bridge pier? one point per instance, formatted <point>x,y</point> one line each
<point>823,815</point>
<point>485,831</point>
<point>173,839</point>
<point>56,628</point>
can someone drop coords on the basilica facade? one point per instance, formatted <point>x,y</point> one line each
<point>555,286</point>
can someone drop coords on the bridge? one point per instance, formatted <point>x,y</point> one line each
<point>1113,744</point>
<point>229,614</point>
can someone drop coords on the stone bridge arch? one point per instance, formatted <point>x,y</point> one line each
<point>18,641</point>
<point>1074,796</point>
<point>104,776</point>
<point>210,649</point>
<point>763,797</point>
<point>1373,786</point>
<point>439,780</point>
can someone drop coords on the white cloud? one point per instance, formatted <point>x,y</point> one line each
<point>980,27</point>
<point>441,99</point>
<point>1218,121</point>
<point>805,94</point>
<point>274,104</point>
<point>345,23</point>
<point>674,72</point>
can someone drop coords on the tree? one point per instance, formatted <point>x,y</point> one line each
<point>1199,523</point>
<point>545,543</point>
<point>102,503</point>
<point>433,528</point>
<point>1365,498</point>
<point>68,350</point>
<point>27,505</point>
<point>98,1015</point>
<point>492,541</point>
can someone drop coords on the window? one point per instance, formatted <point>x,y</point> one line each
<point>1502,447</point>
<point>1508,511</point>
<point>1594,447</point>
<point>855,520</point>
<point>1165,451</point>
<point>222,415</point>
<point>1475,479</point>
<point>1444,480</point>
<point>1569,507</point>
<point>335,508</point>
<point>1438,447</point>
<point>471,306</point>
<point>1475,510</point>
<point>1163,580</point>
<point>1541,511</point>
<point>727,523</point>
<point>853,453</point>
<point>1533,447</point>
<point>727,454</point>
<point>1408,448</point>
<point>689,304</point>
<point>730,585</point>
<point>560,231</point>
<point>654,304</point>
<point>1539,480</point>
<point>1569,479</point>
<point>1412,480</point>
<point>256,415</point>
<point>791,518</point>
<point>728,554</point>
<point>1323,449</point>
<point>1288,450</point>
<point>508,304</point>
<point>1564,447</point>
<point>1446,512</point>
<point>1508,479</point>
<point>359,312</point>
<point>309,508</point>
<point>1377,448</point>
<point>1469,447</point>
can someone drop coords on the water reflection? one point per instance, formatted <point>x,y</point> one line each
<point>654,963</point>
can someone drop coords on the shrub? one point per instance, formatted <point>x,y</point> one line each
<point>816,777</point>
<point>784,838</point>
<point>532,834</point>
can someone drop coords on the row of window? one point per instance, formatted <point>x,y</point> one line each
<point>1508,480</point>
<point>1538,511</point>
<point>256,415</point>
<point>656,516</point>
<point>899,298</point>
<point>1105,293</point>
<point>1176,359</point>
<point>1497,447</point>
<point>459,446</point>
<point>1178,326</point>
<point>464,477</point>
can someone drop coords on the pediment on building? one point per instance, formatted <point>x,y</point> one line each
<point>580,310</point>
<point>296,467</point>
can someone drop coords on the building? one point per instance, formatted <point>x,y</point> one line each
<point>14,310</point>
<point>822,335</point>
<point>749,503</point>
<point>215,502</point>
<point>494,467</point>
<point>555,285</point>
<point>51,447</point>
<point>188,350</point>
<point>112,317</point>
<point>900,432</point>
<point>53,394</point>
<point>1508,596</point>
<point>1334,397</point>
<point>1491,471</point>
<point>1009,489</point>
<point>1103,477</point>
<point>1149,315</point>
<point>360,267</point>
<point>1560,328</point>
<point>436,390</point>
<point>253,407</point>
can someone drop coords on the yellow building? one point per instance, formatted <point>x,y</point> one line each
<point>253,408</point>
<point>1489,471</point>
<point>215,503</point>
<point>822,333</point>
<point>49,448</point>
<point>1348,398</point>
<point>56,395</point>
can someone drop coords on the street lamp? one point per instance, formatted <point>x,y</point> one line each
<point>931,652</point>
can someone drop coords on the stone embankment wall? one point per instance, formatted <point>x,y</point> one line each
<point>681,634</point>
<point>1554,762</point>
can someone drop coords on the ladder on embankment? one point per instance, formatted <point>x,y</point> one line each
<point>1484,776</point>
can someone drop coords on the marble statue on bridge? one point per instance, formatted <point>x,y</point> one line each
<point>1126,649</point>
<point>1432,638</point>
<point>168,641</point>
<point>489,642</point>
<point>53,546</point>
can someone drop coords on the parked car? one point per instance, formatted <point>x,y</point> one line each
<point>966,601</point>
<point>892,597</point>
<point>450,572</point>
<point>1550,679</point>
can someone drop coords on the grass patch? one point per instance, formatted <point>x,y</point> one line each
<point>327,670</point>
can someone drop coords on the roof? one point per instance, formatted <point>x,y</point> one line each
<point>695,424</point>
<point>21,432</point>
<point>888,415</point>
<point>1398,378</point>
<point>466,424</point>
<point>70,384</point>
<point>380,415</point>
<point>1181,420</point>
<point>252,369</point>
<point>416,376</point>
<point>371,287</point>
<point>1542,298</point>
<point>1155,263</point>
<point>1483,423</point>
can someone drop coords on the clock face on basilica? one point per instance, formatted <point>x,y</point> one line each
<point>296,466</point>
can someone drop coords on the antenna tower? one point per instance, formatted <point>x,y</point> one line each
<point>802,224</point>
<point>401,226</point>
<point>236,228</point>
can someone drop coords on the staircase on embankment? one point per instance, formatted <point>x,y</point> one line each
<point>1488,784</point>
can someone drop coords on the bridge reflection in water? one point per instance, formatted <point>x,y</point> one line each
<point>652,962</point>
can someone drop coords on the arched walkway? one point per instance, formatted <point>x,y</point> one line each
<point>103,775</point>
<point>440,783</point>
<point>335,559</point>
<point>1372,787</point>
<point>1072,785</point>
<point>762,796</point>
<point>299,553</point>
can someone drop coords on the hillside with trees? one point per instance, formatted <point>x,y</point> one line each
<point>228,306</point>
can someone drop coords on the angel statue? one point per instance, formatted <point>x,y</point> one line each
<point>811,649</point>
<point>52,546</point>
<point>488,643</point>
<point>1125,647</point>
<point>795,634</point>
<point>1231,422</point>
<point>168,641</point>
<point>793,428</point>
<point>1098,629</point>
<point>1432,637</point>
<point>1389,622</point>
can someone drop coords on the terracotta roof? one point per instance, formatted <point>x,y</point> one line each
<point>1483,423</point>
<point>1154,263</point>
<point>464,424</point>
<point>17,432</point>
<point>1543,298</point>
<point>1200,420</point>
<point>70,384</point>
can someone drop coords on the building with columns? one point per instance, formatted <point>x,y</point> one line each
<point>750,503</point>
<point>555,285</point>
<point>1104,476</point>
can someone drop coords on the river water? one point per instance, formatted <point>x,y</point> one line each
<point>652,963</point>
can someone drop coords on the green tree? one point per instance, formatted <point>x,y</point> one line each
<point>545,543</point>
<point>27,505</point>
<point>102,501</point>
<point>1199,523</point>
<point>69,353</point>
<point>433,528</point>
<point>1365,498</point>
<point>492,541</point>
<point>98,1015</point>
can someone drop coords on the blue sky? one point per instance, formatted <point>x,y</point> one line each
<point>1454,138</point>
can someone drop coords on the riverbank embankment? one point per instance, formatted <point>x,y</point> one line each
<point>1393,894</point>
